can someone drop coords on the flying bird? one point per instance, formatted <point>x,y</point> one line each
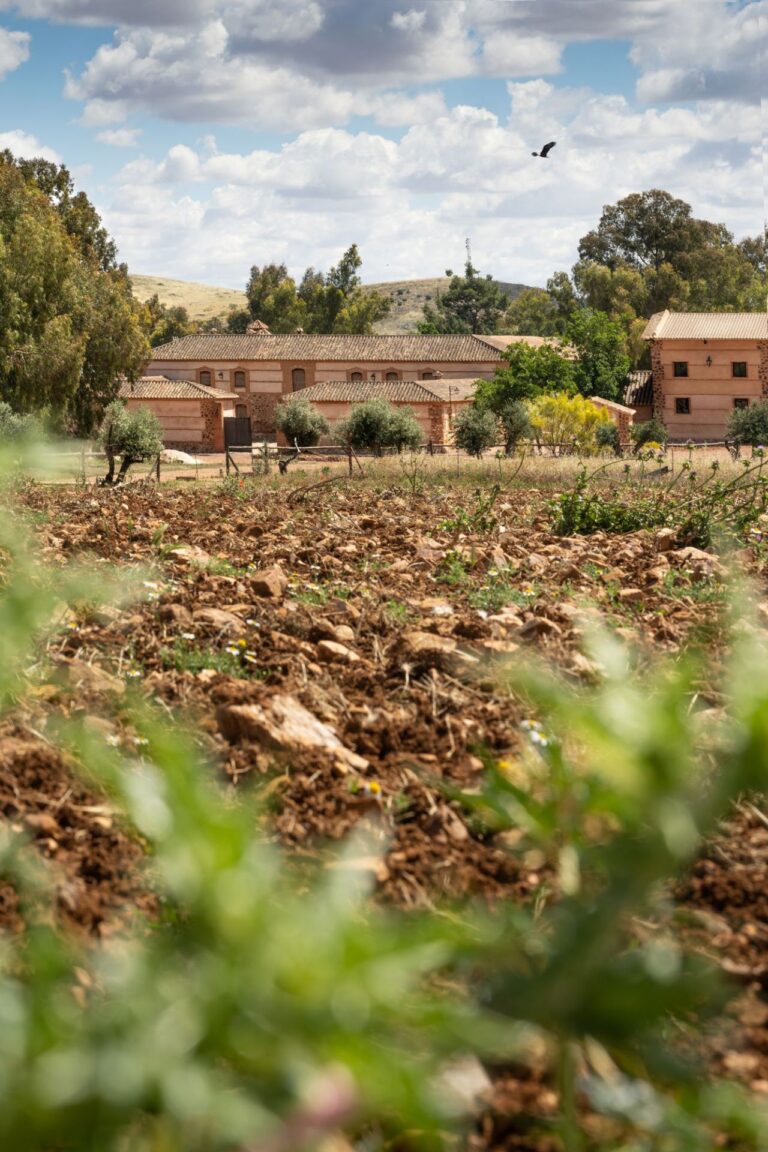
<point>545,150</point>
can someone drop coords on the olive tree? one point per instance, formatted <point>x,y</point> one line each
<point>134,435</point>
<point>300,422</point>
<point>476,430</point>
<point>375,425</point>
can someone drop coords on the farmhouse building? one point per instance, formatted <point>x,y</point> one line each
<point>192,415</point>
<point>260,367</point>
<point>703,366</point>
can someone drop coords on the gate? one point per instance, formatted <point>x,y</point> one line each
<point>237,432</point>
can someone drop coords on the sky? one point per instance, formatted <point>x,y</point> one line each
<point>217,134</point>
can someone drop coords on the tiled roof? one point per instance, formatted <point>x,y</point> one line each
<point>639,389</point>
<point>163,388</point>
<point>502,342</point>
<point>212,346</point>
<point>355,391</point>
<point>707,326</point>
<point>454,390</point>
<point>601,402</point>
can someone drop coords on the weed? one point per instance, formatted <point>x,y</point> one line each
<point>234,660</point>
<point>481,519</point>
<point>397,612</point>
<point>451,569</point>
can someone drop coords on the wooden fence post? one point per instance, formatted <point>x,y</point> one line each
<point>157,469</point>
<point>349,455</point>
<point>226,457</point>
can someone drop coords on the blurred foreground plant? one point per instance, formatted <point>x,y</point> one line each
<point>267,1008</point>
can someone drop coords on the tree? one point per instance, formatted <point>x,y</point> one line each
<point>602,364</point>
<point>471,303</point>
<point>375,425</point>
<point>69,324</point>
<point>336,302</point>
<point>567,423</point>
<point>14,428</point>
<point>476,430</point>
<point>134,435</point>
<point>526,372</point>
<point>644,230</point>
<point>162,323</point>
<point>533,313</point>
<point>750,425</point>
<point>300,422</point>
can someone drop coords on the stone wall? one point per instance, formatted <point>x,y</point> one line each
<point>213,429</point>
<point>762,371</point>
<point>657,368</point>
<point>262,412</point>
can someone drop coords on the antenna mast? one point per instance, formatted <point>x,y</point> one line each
<point>469,252</point>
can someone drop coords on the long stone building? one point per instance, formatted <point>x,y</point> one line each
<point>260,368</point>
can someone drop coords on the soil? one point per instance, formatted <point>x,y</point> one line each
<point>388,613</point>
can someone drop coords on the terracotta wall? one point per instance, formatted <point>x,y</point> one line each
<point>711,389</point>
<point>189,425</point>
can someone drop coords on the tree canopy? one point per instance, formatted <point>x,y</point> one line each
<point>471,303</point>
<point>330,302</point>
<point>69,324</point>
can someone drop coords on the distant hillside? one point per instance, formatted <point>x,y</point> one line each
<point>204,302</point>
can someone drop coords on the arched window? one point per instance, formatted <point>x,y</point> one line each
<point>239,379</point>
<point>298,378</point>
<point>392,376</point>
<point>356,377</point>
<point>204,377</point>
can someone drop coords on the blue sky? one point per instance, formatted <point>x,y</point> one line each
<point>214,134</point>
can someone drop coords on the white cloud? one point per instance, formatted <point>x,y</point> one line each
<point>14,50</point>
<point>410,203</point>
<point>23,144</point>
<point>120,137</point>
<point>508,53</point>
<point>156,13</point>
<point>411,21</point>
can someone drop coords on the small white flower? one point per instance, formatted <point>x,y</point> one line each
<point>230,650</point>
<point>133,674</point>
<point>113,740</point>
<point>151,584</point>
<point>140,741</point>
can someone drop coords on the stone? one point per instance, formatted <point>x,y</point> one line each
<point>702,564</point>
<point>41,823</point>
<point>217,618</point>
<point>539,626</point>
<point>665,539</point>
<point>271,583</point>
<point>343,634</point>
<point>500,560</point>
<point>499,647</point>
<point>175,614</point>
<point>631,595</point>
<point>191,554</point>
<point>330,652</point>
<point>427,649</point>
<point>92,679</point>
<point>283,724</point>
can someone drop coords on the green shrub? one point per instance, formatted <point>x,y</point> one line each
<point>749,425</point>
<point>475,430</point>
<point>376,424</point>
<point>14,426</point>
<point>515,423</point>
<point>650,431</point>
<point>300,422</point>
<point>607,438</point>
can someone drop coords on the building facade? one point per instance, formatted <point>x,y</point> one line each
<point>260,368</point>
<point>192,416</point>
<point>704,365</point>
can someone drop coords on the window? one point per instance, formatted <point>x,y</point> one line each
<point>680,368</point>
<point>739,368</point>
<point>682,406</point>
<point>239,379</point>
<point>741,402</point>
<point>241,411</point>
<point>427,375</point>
<point>298,378</point>
<point>205,377</point>
<point>392,376</point>
<point>356,377</point>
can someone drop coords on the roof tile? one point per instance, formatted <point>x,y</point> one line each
<point>304,346</point>
<point>707,326</point>
<point>163,388</point>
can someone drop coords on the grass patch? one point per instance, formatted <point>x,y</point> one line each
<point>187,656</point>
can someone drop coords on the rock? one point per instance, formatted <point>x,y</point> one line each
<point>90,678</point>
<point>658,574</point>
<point>429,551</point>
<point>499,647</point>
<point>702,564</point>
<point>175,614</point>
<point>330,652</point>
<point>41,823</point>
<point>284,725</point>
<point>271,583</point>
<point>631,595</point>
<point>217,618</point>
<point>539,626</point>
<point>191,554</point>
<point>665,539</point>
<point>427,650</point>
<point>500,560</point>
<point>343,634</point>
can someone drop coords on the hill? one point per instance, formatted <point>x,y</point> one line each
<point>203,301</point>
